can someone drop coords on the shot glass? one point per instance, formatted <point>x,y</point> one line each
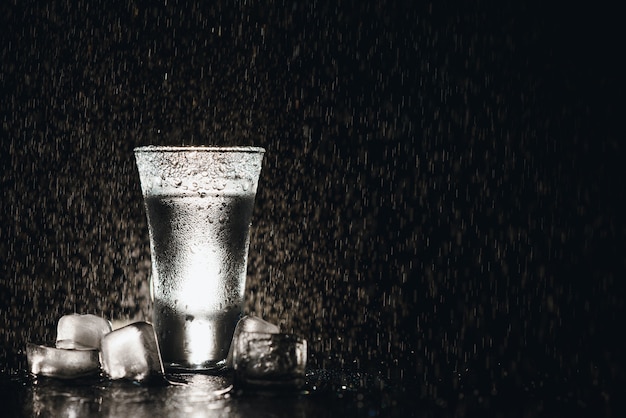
<point>199,203</point>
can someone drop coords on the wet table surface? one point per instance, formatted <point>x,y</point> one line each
<point>325,394</point>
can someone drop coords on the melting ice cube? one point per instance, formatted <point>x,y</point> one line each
<point>81,331</point>
<point>65,364</point>
<point>269,360</point>
<point>249,324</point>
<point>131,352</point>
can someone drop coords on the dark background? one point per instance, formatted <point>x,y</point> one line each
<point>441,202</point>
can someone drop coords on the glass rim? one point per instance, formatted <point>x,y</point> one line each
<point>198,148</point>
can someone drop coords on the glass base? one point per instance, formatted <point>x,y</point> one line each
<point>209,367</point>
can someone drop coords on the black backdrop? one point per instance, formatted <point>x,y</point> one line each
<point>440,203</point>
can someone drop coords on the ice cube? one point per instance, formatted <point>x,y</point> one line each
<point>81,331</point>
<point>269,360</point>
<point>66,364</point>
<point>249,323</point>
<point>131,352</point>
